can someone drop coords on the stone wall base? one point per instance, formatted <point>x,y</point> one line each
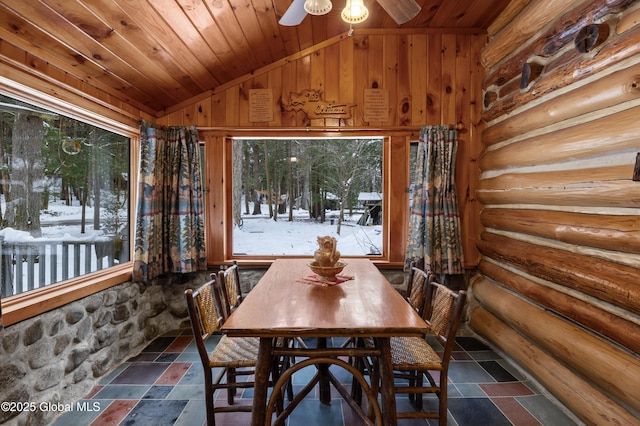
<point>57,357</point>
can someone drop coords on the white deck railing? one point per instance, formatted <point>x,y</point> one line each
<point>30,265</point>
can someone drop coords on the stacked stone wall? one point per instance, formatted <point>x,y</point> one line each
<point>50,361</point>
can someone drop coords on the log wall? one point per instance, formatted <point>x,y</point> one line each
<point>432,77</point>
<point>558,282</point>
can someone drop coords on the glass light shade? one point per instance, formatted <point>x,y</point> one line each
<point>318,7</point>
<point>355,11</point>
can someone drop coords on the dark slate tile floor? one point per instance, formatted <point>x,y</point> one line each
<point>163,386</point>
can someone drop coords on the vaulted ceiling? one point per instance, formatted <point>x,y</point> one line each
<point>158,53</point>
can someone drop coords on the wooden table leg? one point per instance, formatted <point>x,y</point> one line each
<point>323,369</point>
<point>263,368</point>
<point>386,382</point>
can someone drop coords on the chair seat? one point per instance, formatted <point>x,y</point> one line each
<point>235,352</point>
<point>415,360</point>
<point>413,353</point>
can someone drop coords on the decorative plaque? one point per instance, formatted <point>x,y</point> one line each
<point>260,105</point>
<point>376,105</point>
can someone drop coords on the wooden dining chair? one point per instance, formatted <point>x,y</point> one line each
<point>415,296</point>
<point>230,357</point>
<point>414,359</point>
<point>232,291</point>
<point>231,297</point>
<point>415,287</point>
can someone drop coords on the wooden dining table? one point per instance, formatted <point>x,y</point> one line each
<point>287,303</point>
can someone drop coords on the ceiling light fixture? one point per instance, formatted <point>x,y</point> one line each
<point>355,12</point>
<point>317,7</point>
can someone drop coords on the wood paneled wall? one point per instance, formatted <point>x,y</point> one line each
<point>68,90</point>
<point>432,77</point>
<point>558,287</point>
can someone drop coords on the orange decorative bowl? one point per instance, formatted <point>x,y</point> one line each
<point>327,273</point>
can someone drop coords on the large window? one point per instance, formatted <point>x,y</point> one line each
<point>286,192</point>
<point>64,197</point>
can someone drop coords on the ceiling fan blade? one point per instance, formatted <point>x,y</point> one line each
<point>294,14</point>
<point>400,11</point>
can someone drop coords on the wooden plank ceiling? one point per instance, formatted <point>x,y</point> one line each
<point>157,53</point>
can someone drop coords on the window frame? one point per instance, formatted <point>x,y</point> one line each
<point>22,306</point>
<point>264,260</point>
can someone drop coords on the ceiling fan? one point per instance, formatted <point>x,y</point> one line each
<point>401,11</point>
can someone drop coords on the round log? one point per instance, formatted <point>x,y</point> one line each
<point>609,232</point>
<point>565,57</point>
<point>599,187</point>
<point>585,401</point>
<point>603,279</point>
<point>613,369</point>
<point>521,29</point>
<point>509,88</point>
<point>530,72</point>
<point>591,36</point>
<point>553,39</point>
<point>564,145</point>
<point>489,98</point>
<point>513,8</point>
<point>629,21</point>
<point>558,178</point>
<point>603,194</point>
<point>506,73</point>
<point>612,89</point>
<point>611,53</point>
<point>616,328</point>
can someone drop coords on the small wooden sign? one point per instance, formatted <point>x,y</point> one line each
<point>260,105</point>
<point>311,103</point>
<point>376,105</point>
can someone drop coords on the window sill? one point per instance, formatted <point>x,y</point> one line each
<point>26,305</point>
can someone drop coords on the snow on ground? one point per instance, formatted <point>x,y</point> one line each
<point>260,235</point>
<point>58,223</point>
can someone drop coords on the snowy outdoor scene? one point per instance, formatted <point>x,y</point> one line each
<point>64,197</point>
<point>59,223</point>
<point>264,236</point>
<point>287,192</point>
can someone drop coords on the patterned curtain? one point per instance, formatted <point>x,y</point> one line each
<point>170,218</point>
<point>434,240</point>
